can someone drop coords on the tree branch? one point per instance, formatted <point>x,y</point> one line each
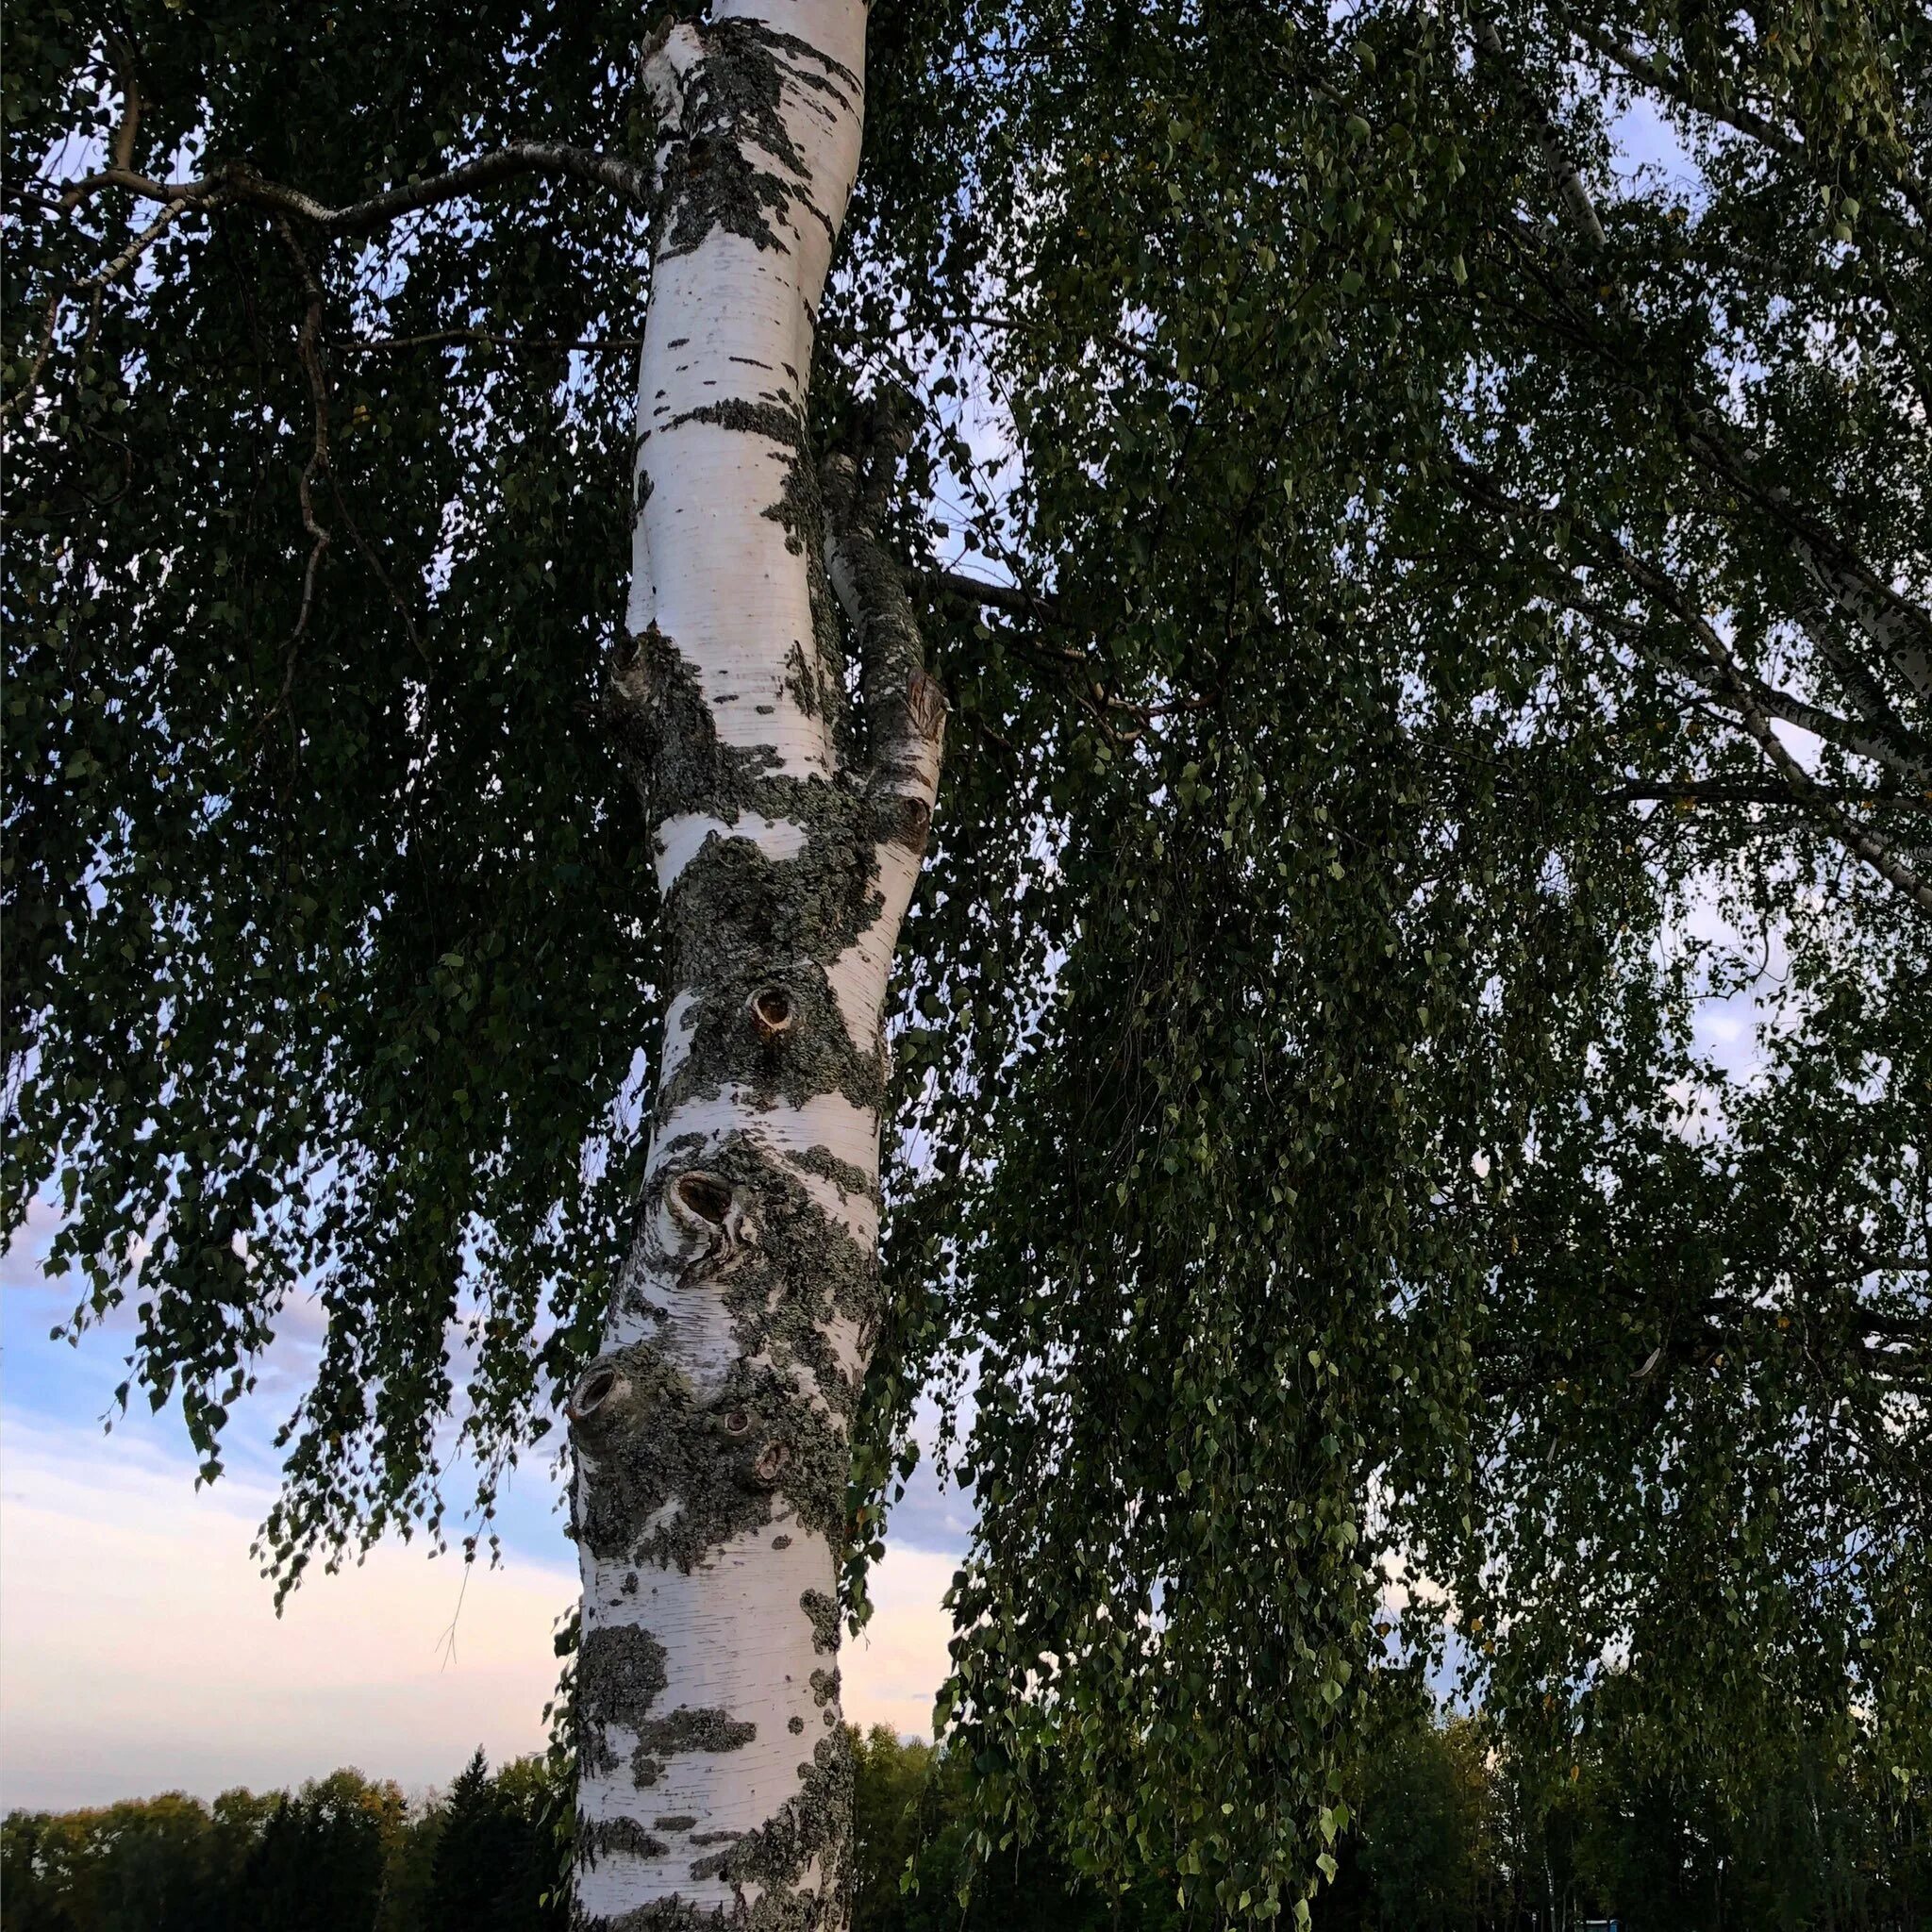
<point>1883,749</point>
<point>1640,67</point>
<point>1564,172</point>
<point>122,152</point>
<point>1728,683</point>
<point>238,182</point>
<point>1856,838</point>
<point>98,281</point>
<point>1011,598</point>
<point>1699,792</point>
<point>904,711</point>
<point>1755,127</point>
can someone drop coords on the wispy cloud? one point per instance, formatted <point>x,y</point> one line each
<point>139,1650</point>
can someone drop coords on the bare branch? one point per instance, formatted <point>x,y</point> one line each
<point>237,182</point>
<point>1698,791</point>
<point>97,281</point>
<point>122,152</point>
<point>1564,172</point>
<point>960,589</point>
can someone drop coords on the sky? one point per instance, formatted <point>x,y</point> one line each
<point>140,1648</point>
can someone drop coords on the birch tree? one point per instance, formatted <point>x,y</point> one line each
<point>1444,607</point>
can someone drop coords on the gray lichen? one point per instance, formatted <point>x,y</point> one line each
<point>719,1463</point>
<point>621,1674</point>
<point>822,1610</point>
<point>810,1824</point>
<point>705,1728</point>
<point>733,109</point>
<point>598,1837</point>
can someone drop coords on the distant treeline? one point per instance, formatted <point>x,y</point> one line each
<point>1443,1842</point>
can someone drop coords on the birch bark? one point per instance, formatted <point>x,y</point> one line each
<point>711,1430</point>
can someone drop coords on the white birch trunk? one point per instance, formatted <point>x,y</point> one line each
<point>712,1431</point>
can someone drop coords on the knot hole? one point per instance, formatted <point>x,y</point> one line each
<point>771,1013</point>
<point>703,1197</point>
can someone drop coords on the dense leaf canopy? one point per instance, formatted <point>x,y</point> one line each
<point>1417,1032</point>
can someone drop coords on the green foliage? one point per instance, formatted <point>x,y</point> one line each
<point>490,1868</point>
<point>1323,1172</point>
<point>341,1854</point>
<point>1448,1834</point>
<point>1315,1168</point>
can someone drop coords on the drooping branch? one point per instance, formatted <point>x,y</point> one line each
<point>237,184</point>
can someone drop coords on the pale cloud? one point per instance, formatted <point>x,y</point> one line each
<point>892,1669</point>
<point>139,1650</point>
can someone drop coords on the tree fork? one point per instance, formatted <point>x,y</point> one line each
<point>712,1429</point>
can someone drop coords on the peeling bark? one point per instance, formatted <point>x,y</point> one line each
<point>712,1428</point>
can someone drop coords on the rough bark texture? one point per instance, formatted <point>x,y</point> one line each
<point>712,1431</point>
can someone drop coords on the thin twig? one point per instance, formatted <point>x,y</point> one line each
<point>458,338</point>
<point>306,350</point>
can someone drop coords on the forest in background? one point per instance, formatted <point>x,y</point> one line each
<point>1447,1836</point>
